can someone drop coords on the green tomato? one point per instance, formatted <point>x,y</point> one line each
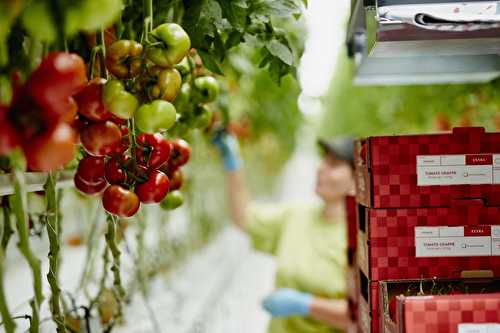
<point>207,87</point>
<point>176,45</point>
<point>118,101</point>
<point>182,101</point>
<point>183,67</point>
<point>203,117</point>
<point>90,15</point>
<point>37,20</point>
<point>172,201</point>
<point>155,117</point>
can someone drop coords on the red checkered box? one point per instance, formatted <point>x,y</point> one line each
<point>428,170</point>
<point>350,206</point>
<point>452,311</point>
<point>443,242</point>
<point>368,305</point>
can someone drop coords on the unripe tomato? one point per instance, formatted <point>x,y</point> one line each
<point>153,150</point>
<point>154,117</point>
<point>51,150</point>
<point>120,202</point>
<point>154,189</point>
<point>172,201</point>
<point>90,104</point>
<point>123,58</point>
<point>100,139</point>
<point>89,189</point>
<point>91,169</point>
<point>208,87</point>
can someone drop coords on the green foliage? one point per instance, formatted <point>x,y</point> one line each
<point>363,111</point>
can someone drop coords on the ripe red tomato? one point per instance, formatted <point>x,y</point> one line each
<point>100,139</point>
<point>9,137</point>
<point>91,169</point>
<point>89,189</point>
<point>51,150</point>
<point>59,76</point>
<point>114,173</point>
<point>90,103</point>
<point>180,154</point>
<point>153,150</point>
<point>120,202</point>
<point>176,180</point>
<point>154,189</point>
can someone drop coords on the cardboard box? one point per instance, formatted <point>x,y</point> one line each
<point>350,206</point>
<point>429,170</point>
<point>452,312</point>
<point>352,284</point>
<point>368,305</point>
<point>444,242</point>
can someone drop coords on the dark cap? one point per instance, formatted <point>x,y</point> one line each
<point>342,148</point>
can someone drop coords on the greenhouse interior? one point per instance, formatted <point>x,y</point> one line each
<point>250,166</point>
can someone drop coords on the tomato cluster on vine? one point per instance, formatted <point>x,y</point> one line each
<point>41,112</point>
<point>128,123</point>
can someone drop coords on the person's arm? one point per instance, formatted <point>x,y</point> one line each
<point>237,198</point>
<point>289,302</point>
<point>332,312</point>
<point>237,194</point>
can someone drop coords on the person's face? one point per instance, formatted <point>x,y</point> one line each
<point>334,179</point>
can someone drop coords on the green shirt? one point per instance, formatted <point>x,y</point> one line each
<point>310,255</point>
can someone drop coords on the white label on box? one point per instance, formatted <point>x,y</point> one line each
<point>479,328</point>
<point>469,169</point>
<point>470,241</point>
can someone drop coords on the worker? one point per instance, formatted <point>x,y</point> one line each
<point>308,241</point>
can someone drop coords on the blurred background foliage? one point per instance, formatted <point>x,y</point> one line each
<point>364,111</point>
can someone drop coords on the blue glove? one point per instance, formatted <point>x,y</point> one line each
<point>288,302</point>
<point>229,149</point>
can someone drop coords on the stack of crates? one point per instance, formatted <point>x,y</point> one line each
<point>428,232</point>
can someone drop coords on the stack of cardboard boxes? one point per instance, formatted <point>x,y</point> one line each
<point>428,232</point>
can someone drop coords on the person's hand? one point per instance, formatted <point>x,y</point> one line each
<point>229,148</point>
<point>288,302</point>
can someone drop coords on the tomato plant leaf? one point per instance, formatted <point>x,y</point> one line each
<point>281,51</point>
<point>209,61</point>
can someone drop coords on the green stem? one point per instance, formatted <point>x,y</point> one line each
<point>102,43</point>
<point>115,267</point>
<point>7,226</point>
<point>8,321</point>
<point>90,250</point>
<point>54,248</point>
<point>18,202</point>
<point>148,8</point>
<point>102,282</point>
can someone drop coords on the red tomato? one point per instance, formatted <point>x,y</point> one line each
<point>71,111</point>
<point>59,76</point>
<point>153,150</point>
<point>91,169</point>
<point>51,150</point>
<point>100,139</point>
<point>89,189</point>
<point>179,155</point>
<point>90,103</point>
<point>154,189</point>
<point>114,172</point>
<point>176,180</point>
<point>120,202</point>
<point>9,137</point>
